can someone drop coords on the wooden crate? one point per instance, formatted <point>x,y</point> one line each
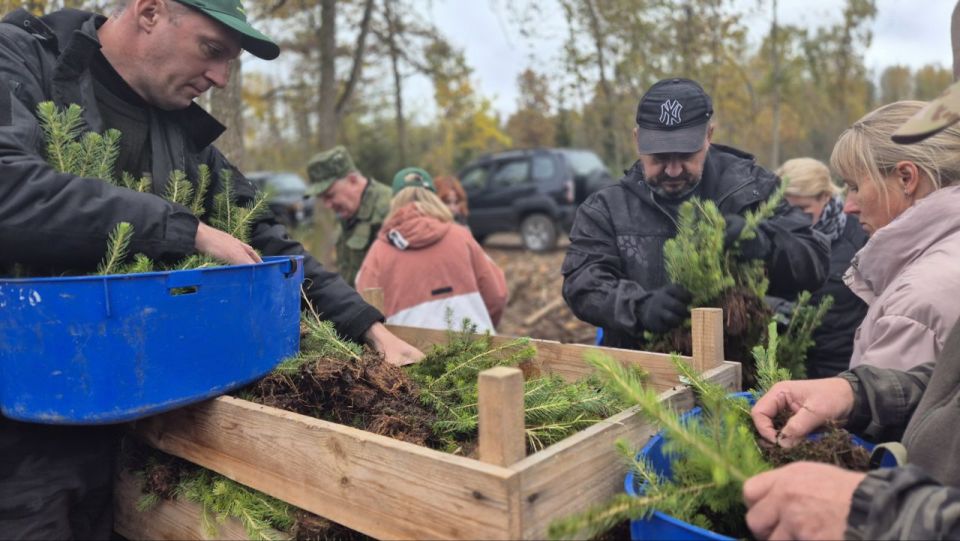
<point>390,489</point>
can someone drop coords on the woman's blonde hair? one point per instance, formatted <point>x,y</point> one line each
<point>865,149</point>
<point>807,177</point>
<point>424,200</point>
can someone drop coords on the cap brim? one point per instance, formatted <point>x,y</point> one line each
<point>937,115</point>
<point>251,39</point>
<point>684,140</point>
<point>317,189</point>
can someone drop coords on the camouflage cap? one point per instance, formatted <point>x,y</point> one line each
<point>937,115</point>
<point>328,167</point>
<point>412,177</point>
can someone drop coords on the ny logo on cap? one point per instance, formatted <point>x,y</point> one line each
<point>670,113</point>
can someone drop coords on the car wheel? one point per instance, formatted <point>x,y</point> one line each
<point>538,232</point>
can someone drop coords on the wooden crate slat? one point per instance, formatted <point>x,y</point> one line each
<point>376,485</point>
<point>565,360</point>
<point>585,469</point>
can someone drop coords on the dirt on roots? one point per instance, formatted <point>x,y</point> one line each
<point>368,393</point>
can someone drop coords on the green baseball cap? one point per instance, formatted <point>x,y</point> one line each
<point>940,113</point>
<point>412,177</point>
<point>232,14</point>
<point>328,167</point>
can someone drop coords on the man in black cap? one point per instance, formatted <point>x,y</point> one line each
<point>614,273</point>
<point>137,71</point>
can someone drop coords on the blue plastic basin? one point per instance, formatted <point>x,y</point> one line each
<point>107,349</point>
<point>662,526</point>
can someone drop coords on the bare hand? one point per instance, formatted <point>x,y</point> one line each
<point>395,351</point>
<point>803,500</point>
<point>811,403</point>
<point>223,246</point>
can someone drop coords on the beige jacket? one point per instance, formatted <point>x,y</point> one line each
<point>909,275</point>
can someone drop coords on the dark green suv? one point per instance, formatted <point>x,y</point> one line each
<point>532,192</point>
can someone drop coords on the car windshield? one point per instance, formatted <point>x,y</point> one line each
<point>583,162</point>
<point>286,182</point>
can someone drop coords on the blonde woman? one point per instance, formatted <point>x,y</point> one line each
<point>810,188</point>
<point>430,269</point>
<point>908,272</point>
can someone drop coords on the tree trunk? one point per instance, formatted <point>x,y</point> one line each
<point>775,53</point>
<point>357,68</point>
<point>226,105</point>
<point>610,148</point>
<point>327,107</point>
<point>955,40</point>
<point>392,25</point>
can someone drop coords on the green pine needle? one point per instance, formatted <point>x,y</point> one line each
<point>117,247</point>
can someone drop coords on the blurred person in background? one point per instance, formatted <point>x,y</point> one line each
<point>810,188</point>
<point>451,192</point>
<point>360,203</point>
<point>432,272</point>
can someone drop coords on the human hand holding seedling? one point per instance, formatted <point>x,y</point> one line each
<point>809,403</point>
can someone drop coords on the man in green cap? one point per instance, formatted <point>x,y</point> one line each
<point>360,203</point>
<point>137,71</point>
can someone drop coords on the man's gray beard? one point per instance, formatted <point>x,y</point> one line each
<point>682,194</point>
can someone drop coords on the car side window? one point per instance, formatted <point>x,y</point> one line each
<point>475,179</point>
<point>511,173</point>
<point>544,167</point>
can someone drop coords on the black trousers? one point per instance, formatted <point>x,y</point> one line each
<point>56,482</point>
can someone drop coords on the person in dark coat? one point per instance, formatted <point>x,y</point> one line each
<point>137,71</point>
<point>811,189</point>
<point>614,272</point>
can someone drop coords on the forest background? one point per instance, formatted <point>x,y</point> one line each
<point>346,65</point>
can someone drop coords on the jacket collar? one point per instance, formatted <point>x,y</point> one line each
<point>901,242</point>
<point>72,34</point>
<point>725,174</point>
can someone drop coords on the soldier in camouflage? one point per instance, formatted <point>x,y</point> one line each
<point>361,205</point>
<point>920,408</point>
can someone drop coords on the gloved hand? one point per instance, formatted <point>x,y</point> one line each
<point>665,308</point>
<point>759,247</point>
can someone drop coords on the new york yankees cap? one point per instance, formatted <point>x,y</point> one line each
<point>673,116</point>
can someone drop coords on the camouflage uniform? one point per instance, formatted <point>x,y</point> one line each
<point>920,408</point>
<point>359,232</point>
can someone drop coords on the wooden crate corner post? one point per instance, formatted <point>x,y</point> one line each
<point>501,423</point>
<point>707,338</point>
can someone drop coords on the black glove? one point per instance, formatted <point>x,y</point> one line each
<point>665,308</point>
<point>759,247</point>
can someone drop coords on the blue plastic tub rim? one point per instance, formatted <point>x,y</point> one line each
<point>293,261</point>
<point>679,527</point>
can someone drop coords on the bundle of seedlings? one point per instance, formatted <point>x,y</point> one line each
<point>714,275</point>
<point>553,407</point>
<point>711,456</point>
<point>93,155</point>
<point>337,380</point>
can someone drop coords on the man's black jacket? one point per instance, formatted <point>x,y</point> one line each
<point>57,221</point>
<point>615,256</point>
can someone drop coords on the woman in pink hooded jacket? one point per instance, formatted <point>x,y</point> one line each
<point>909,271</point>
<point>432,271</point>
